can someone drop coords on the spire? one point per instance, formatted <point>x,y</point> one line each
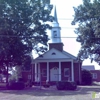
<point>55,22</point>
<point>55,15</point>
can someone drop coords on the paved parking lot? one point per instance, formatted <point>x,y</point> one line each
<point>37,93</point>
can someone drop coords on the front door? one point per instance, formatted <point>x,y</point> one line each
<point>54,74</point>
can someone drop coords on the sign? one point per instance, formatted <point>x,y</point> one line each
<point>95,95</point>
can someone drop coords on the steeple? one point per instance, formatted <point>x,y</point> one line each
<point>55,22</point>
<point>55,15</point>
<point>55,33</point>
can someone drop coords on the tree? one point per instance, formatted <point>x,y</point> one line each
<point>27,63</point>
<point>22,29</point>
<point>87,15</point>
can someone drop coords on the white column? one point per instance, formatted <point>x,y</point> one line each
<point>39,72</point>
<point>48,71</point>
<point>72,68</point>
<point>59,71</point>
<point>35,72</point>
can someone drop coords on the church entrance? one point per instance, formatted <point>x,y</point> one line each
<point>54,74</point>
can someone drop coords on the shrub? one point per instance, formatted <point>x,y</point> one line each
<point>28,83</point>
<point>60,85</point>
<point>20,80</point>
<point>65,85</point>
<point>86,77</point>
<point>46,85</point>
<point>71,85</point>
<point>16,85</point>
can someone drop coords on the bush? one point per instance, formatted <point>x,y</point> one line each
<point>86,77</point>
<point>60,85</point>
<point>46,85</point>
<point>20,80</point>
<point>71,85</point>
<point>64,85</point>
<point>16,86</point>
<point>28,83</point>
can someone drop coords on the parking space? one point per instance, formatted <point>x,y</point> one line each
<point>40,93</point>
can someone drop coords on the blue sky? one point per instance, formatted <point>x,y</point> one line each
<point>65,14</point>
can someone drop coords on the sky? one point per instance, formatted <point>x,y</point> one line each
<point>65,14</point>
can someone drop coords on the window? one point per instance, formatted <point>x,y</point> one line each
<point>55,33</point>
<point>66,72</point>
<point>44,72</point>
<point>94,75</point>
<point>53,53</point>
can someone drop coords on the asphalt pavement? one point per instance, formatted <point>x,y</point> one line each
<point>41,93</point>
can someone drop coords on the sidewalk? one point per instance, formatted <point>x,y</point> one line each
<point>96,83</point>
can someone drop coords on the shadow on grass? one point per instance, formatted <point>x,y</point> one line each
<point>52,91</point>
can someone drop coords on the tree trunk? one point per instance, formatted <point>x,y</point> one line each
<point>7,75</point>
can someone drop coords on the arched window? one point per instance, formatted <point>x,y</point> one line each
<point>53,53</point>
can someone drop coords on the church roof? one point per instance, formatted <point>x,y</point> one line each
<point>54,54</point>
<point>66,53</point>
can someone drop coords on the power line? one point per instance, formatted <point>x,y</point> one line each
<point>65,37</point>
<point>40,36</point>
<point>64,19</point>
<point>61,28</point>
<point>31,36</point>
<point>68,27</point>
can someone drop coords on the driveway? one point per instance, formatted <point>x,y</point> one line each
<point>37,93</point>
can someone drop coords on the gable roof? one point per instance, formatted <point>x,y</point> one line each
<point>68,54</point>
<point>55,54</point>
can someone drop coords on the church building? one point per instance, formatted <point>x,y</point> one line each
<point>56,64</point>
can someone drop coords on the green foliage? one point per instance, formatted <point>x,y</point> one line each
<point>87,15</point>
<point>16,86</point>
<point>61,85</point>
<point>22,28</point>
<point>27,63</point>
<point>65,85</point>
<point>86,77</point>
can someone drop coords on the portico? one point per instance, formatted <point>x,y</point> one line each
<point>52,71</point>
